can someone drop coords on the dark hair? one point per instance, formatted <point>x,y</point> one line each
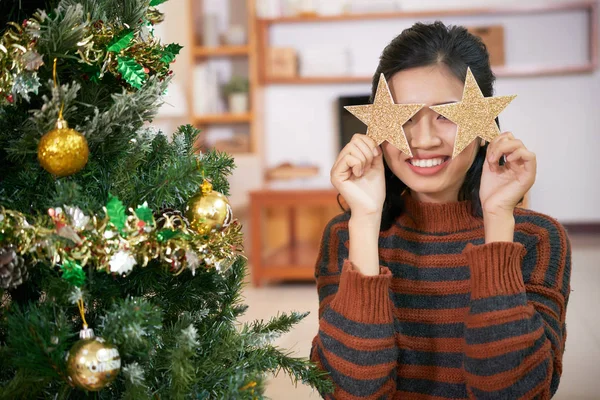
<point>435,44</point>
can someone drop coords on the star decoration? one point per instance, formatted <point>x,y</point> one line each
<point>474,114</point>
<point>384,119</point>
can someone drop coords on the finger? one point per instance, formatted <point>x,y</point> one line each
<point>367,151</point>
<point>355,164</point>
<point>501,147</point>
<point>353,150</point>
<point>522,157</point>
<point>346,167</point>
<point>372,144</point>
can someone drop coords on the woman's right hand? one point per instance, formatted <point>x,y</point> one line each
<point>358,175</point>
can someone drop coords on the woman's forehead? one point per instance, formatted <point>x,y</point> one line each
<point>430,85</point>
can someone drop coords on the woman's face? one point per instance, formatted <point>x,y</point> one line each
<point>431,174</point>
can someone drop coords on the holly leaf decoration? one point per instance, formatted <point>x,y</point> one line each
<point>116,212</point>
<point>144,213</point>
<point>170,52</point>
<point>73,273</point>
<point>121,42</point>
<point>154,3</point>
<point>166,234</point>
<point>132,72</point>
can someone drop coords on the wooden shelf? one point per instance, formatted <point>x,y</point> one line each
<point>418,14</point>
<point>503,71</point>
<point>215,119</point>
<point>221,51</point>
<point>310,80</point>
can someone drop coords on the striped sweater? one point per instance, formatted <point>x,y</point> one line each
<point>448,317</point>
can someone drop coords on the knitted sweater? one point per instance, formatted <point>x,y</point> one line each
<point>448,317</point>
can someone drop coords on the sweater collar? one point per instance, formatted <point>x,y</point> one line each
<point>438,217</point>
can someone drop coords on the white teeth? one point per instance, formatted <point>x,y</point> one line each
<point>431,162</point>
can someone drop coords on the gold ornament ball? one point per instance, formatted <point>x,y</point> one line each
<point>208,211</point>
<point>92,364</point>
<point>63,151</point>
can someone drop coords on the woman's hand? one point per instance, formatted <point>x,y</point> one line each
<point>359,176</point>
<point>502,187</point>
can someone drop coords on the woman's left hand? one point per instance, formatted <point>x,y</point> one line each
<point>502,187</point>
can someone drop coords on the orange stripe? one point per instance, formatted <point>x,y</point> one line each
<point>409,286</point>
<point>324,303</point>
<point>431,345</point>
<point>542,250</point>
<point>432,316</point>
<point>355,371</point>
<point>325,280</point>
<point>356,343</point>
<point>401,394</point>
<point>508,378</point>
<point>334,264</point>
<point>503,346</point>
<point>547,310</point>
<point>432,373</point>
<point>387,389</point>
<point>465,236</point>
<point>420,260</point>
<point>553,295</point>
<point>492,318</point>
<point>543,388</point>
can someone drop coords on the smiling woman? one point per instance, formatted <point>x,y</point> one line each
<point>435,285</point>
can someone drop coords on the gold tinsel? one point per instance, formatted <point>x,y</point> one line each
<point>39,241</point>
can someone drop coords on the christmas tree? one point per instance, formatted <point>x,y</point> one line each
<point>121,265</point>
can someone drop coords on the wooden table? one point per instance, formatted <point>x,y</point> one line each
<point>296,260</point>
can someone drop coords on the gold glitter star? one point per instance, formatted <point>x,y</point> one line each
<point>474,114</point>
<point>384,119</point>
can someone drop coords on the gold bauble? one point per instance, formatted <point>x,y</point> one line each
<point>63,151</point>
<point>92,364</point>
<point>208,210</point>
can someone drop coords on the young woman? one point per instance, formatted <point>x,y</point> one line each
<point>435,285</point>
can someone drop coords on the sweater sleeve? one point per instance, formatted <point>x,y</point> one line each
<point>515,329</point>
<point>356,341</point>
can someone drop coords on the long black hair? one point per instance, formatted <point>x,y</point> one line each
<point>435,44</point>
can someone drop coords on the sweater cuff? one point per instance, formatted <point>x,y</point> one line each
<point>495,269</point>
<point>364,299</point>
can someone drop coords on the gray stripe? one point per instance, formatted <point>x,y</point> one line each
<point>544,300</point>
<point>425,330</point>
<point>327,290</point>
<point>430,302</point>
<point>519,388</point>
<point>358,357</point>
<point>433,388</point>
<point>531,256</point>
<point>360,330</point>
<point>505,362</point>
<point>430,274</point>
<point>356,387</point>
<point>438,359</point>
<point>497,303</point>
<point>555,244</point>
<point>426,248</point>
<point>502,331</point>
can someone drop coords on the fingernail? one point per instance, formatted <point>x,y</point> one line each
<point>375,151</point>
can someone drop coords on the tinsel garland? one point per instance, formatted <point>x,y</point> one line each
<point>131,55</point>
<point>116,241</point>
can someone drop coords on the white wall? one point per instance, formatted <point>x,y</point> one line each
<point>557,117</point>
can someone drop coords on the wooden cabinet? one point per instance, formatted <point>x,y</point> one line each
<point>294,256</point>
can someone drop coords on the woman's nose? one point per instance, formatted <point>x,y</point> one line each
<point>421,134</point>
